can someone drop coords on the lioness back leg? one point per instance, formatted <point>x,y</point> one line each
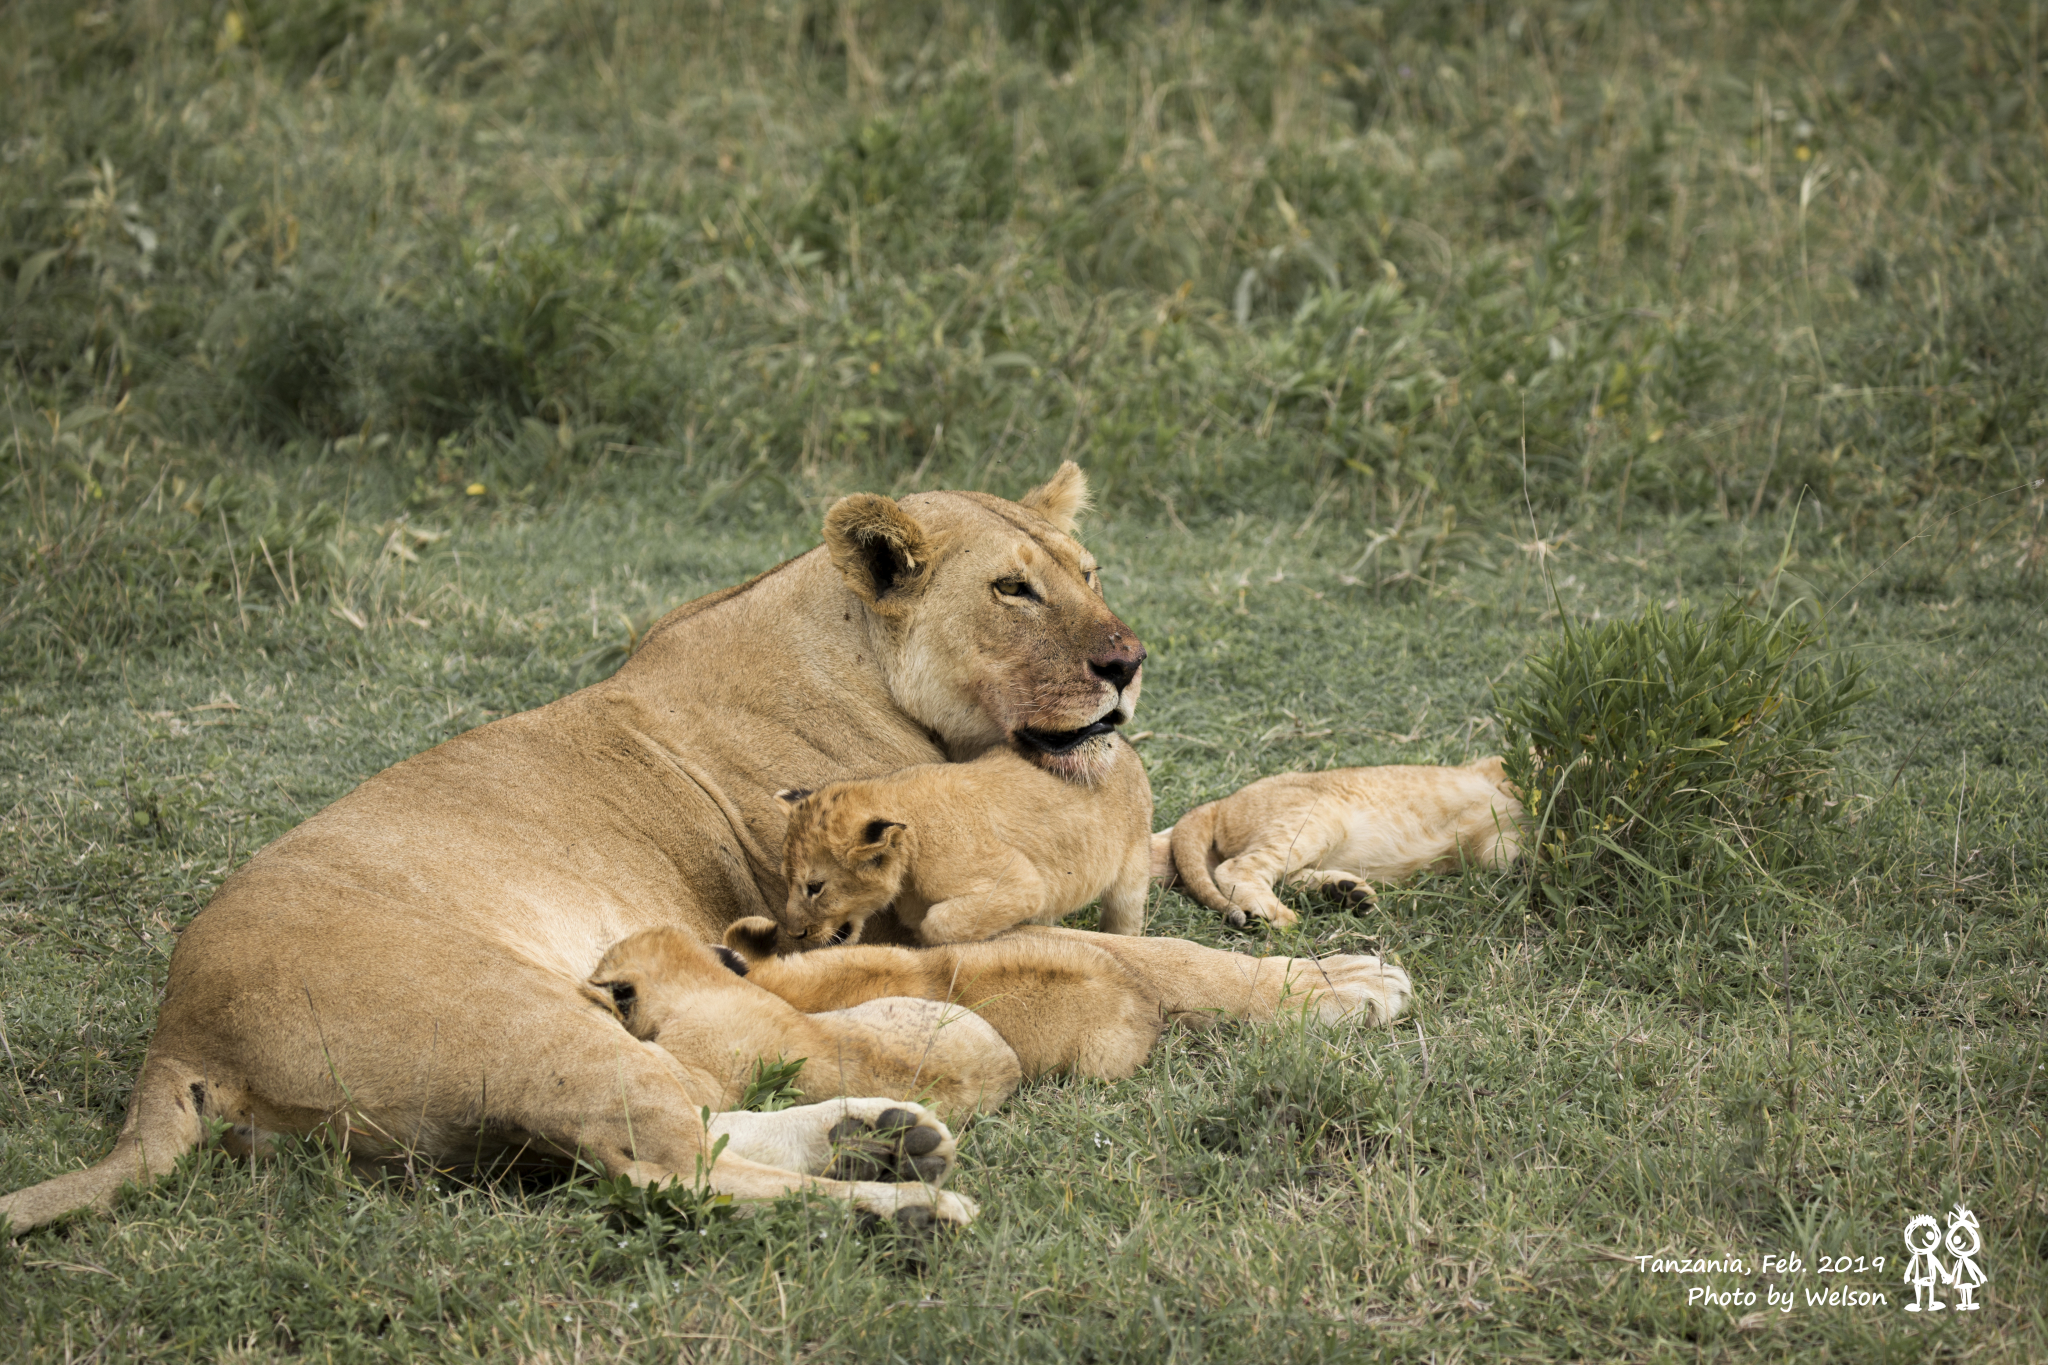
<point>631,1107</point>
<point>529,1064</point>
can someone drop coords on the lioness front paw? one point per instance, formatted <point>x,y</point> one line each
<point>897,1142</point>
<point>1352,985</point>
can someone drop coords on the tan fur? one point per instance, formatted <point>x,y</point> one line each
<point>673,991</point>
<point>410,969</point>
<point>963,851</point>
<point>1339,831</point>
<point>1063,1005</point>
<point>1068,1000</point>
<point>1060,499</point>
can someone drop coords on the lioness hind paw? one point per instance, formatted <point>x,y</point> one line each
<point>895,1148</point>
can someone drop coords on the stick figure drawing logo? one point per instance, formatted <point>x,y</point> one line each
<point>1924,1269</point>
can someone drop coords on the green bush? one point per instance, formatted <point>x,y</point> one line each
<point>1675,755</point>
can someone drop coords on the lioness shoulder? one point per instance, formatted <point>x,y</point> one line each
<point>963,851</point>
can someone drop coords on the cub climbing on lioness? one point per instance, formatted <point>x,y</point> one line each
<point>963,851</point>
<point>1339,832</point>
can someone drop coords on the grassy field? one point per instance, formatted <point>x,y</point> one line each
<point>376,369</point>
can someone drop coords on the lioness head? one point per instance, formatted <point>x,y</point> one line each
<point>844,860</point>
<point>990,621</point>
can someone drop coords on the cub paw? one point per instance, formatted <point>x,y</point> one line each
<point>900,1144</point>
<point>1276,914</point>
<point>1346,888</point>
<point>1353,985</point>
<point>1350,892</point>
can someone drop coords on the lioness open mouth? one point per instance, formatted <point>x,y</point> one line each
<point>1064,741</point>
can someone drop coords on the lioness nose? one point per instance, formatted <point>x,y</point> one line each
<point>1119,668</point>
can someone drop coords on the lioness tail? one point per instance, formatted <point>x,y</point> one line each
<point>163,1124</point>
<point>1193,839</point>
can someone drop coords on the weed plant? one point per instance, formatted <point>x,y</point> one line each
<point>1676,757</point>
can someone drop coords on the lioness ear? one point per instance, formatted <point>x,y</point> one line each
<point>879,548</point>
<point>1061,498</point>
<point>792,797</point>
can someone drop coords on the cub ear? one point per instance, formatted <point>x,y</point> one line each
<point>881,834</point>
<point>879,548</point>
<point>751,939</point>
<point>1061,498</point>
<point>792,797</point>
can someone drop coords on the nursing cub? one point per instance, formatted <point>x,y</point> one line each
<point>964,851</point>
<point>1339,832</point>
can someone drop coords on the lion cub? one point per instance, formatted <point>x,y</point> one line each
<point>966,850</point>
<point>1339,831</point>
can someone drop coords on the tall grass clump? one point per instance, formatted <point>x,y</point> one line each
<point>1675,757</point>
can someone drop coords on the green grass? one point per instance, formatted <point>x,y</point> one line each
<point>1795,1076</point>
<point>1390,334</point>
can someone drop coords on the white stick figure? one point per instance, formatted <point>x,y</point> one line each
<point>1924,1269</point>
<point>1964,1242</point>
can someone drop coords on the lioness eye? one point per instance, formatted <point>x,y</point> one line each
<point>1015,587</point>
<point>813,888</point>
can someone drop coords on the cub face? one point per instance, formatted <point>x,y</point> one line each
<point>844,862</point>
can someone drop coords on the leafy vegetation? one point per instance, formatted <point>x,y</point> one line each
<point>1686,752</point>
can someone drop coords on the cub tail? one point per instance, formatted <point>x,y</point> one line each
<point>163,1125</point>
<point>1194,848</point>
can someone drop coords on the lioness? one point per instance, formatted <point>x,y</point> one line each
<point>410,968</point>
<point>963,851</point>
<point>1339,832</point>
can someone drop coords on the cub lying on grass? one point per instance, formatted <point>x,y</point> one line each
<point>966,850</point>
<point>687,998</point>
<point>1338,831</point>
